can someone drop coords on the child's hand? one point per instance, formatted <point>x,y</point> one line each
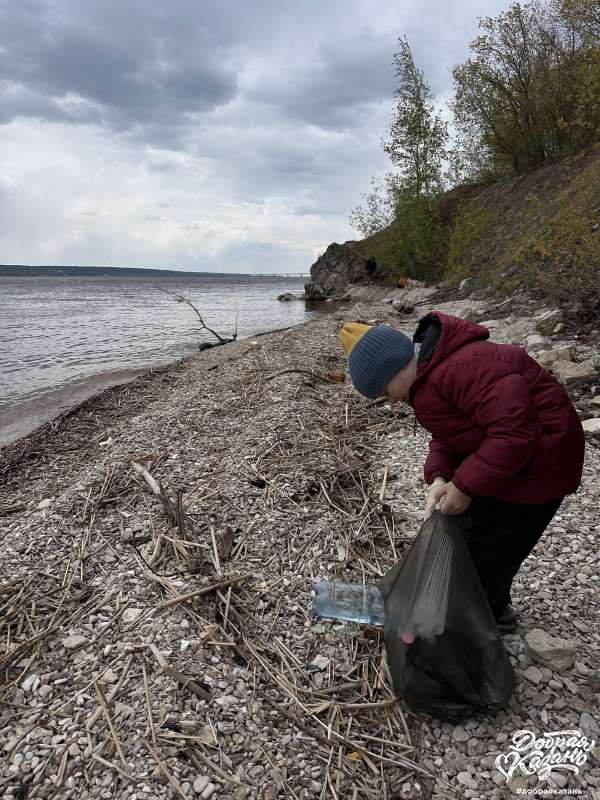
<point>431,499</point>
<point>453,501</point>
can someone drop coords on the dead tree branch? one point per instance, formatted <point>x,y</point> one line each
<point>179,298</point>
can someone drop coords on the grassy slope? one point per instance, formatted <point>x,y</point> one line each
<point>542,229</point>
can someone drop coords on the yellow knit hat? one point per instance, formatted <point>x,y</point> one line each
<point>350,334</point>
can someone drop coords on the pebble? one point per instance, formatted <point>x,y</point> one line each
<point>559,779</point>
<point>132,615</point>
<point>571,686</point>
<point>589,727</point>
<point>533,674</point>
<point>30,683</point>
<point>201,783</point>
<point>459,734</point>
<point>466,779</point>
<point>71,642</point>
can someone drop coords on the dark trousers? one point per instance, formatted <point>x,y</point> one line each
<point>500,535</point>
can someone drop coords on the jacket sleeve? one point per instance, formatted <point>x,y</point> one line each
<point>500,404</point>
<point>441,461</point>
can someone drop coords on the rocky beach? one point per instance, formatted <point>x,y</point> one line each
<point>159,545</point>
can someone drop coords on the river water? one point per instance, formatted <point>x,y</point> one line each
<point>64,338</point>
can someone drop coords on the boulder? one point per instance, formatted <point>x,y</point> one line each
<point>339,266</point>
<point>287,296</point>
<point>548,357</point>
<point>550,651</point>
<point>573,374</point>
<point>546,322</point>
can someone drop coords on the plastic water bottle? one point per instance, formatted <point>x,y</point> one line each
<point>349,601</point>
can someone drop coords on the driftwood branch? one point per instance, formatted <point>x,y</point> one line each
<point>178,677</point>
<point>174,513</point>
<point>199,592</point>
<point>179,298</point>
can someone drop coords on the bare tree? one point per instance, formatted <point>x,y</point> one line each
<point>179,298</point>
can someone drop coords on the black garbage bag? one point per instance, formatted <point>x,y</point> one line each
<point>445,652</point>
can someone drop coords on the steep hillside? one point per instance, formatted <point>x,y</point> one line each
<point>539,232</point>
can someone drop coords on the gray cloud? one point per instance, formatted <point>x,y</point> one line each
<point>256,124</point>
<point>119,73</point>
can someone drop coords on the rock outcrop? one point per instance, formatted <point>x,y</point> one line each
<point>286,297</point>
<point>338,267</point>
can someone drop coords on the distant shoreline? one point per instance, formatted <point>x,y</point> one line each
<point>51,271</point>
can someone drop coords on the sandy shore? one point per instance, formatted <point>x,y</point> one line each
<point>268,479</point>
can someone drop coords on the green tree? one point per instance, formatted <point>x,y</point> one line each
<point>529,92</point>
<point>417,134</point>
<point>403,202</point>
<point>379,206</point>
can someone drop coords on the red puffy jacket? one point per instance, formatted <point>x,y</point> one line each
<point>501,425</point>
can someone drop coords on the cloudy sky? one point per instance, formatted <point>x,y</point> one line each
<point>228,135</point>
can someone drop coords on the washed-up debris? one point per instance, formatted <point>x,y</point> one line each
<point>328,510</point>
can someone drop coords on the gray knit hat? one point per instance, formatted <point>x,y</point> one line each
<point>380,354</point>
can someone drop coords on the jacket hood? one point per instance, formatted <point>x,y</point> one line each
<point>440,335</point>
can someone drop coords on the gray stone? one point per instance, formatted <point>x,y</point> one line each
<point>517,784</point>
<point>559,779</point>
<point>535,341</point>
<point>548,357</point>
<point>30,683</point>
<point>591,426</point>
<point>550,651</point>
<point>132,615</point>
<point>589,727</point>
<point>533,674</point>
<point>466,779</point>
<point>491,323</point>
<point>76,640</point>
<point>470,314</point>
<point>201,783</point>
<point>572,374</point>
<point>547,321</point>
<point>287,296</point>
<point>459,734</point>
